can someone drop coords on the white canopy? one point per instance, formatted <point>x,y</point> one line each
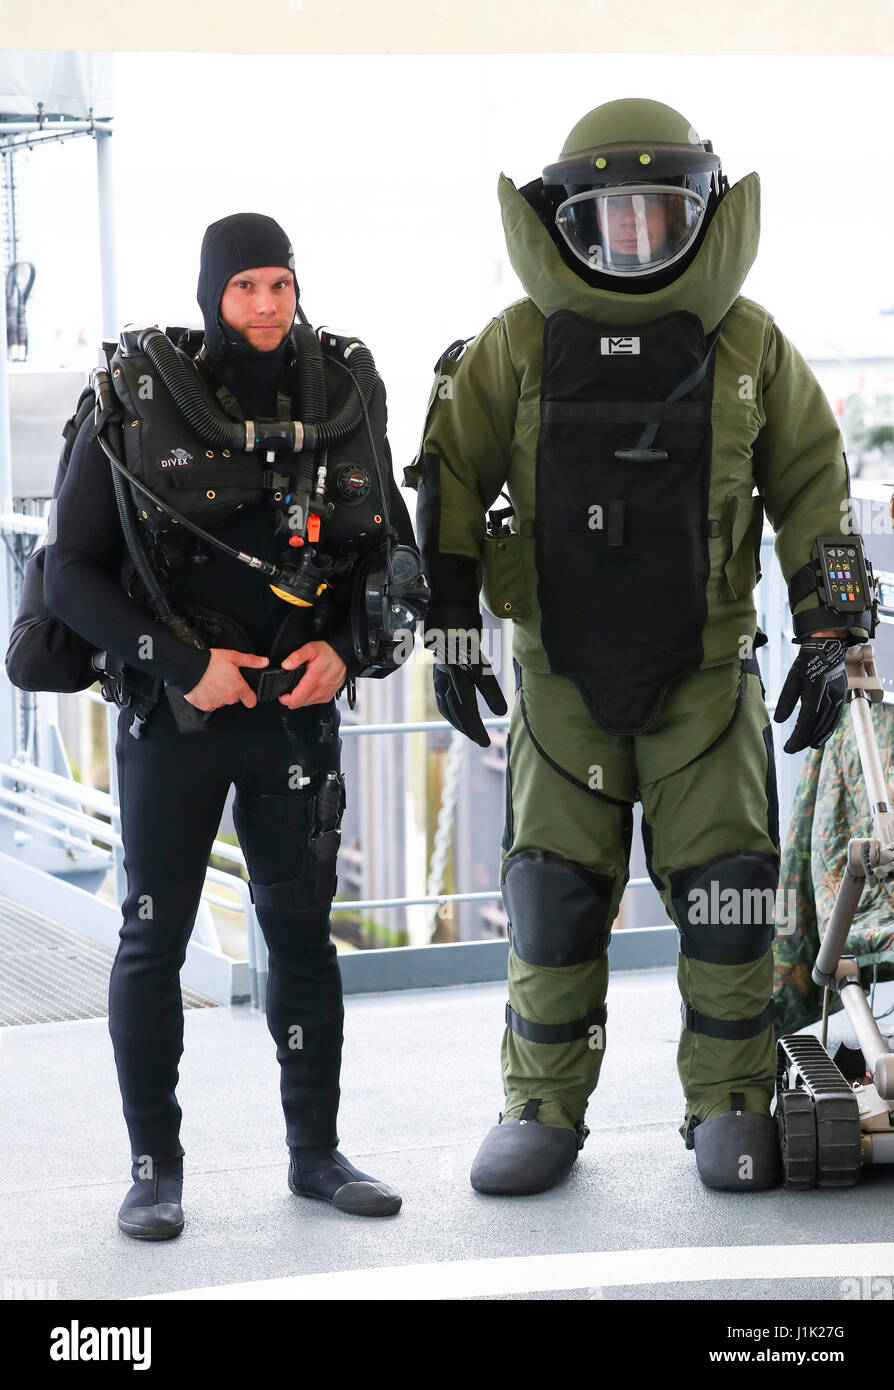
<point>68,84</point>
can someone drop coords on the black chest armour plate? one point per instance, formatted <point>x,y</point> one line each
<point>621,543</point>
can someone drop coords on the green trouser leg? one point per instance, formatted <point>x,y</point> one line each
<point>561,1075</point>
<point>715,850</point>
<point>547,812</point>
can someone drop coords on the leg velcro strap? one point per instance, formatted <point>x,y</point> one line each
<point>734,1029</point>
<point>554,1032</point>
<point>287,896</point>
<point>716,953</point>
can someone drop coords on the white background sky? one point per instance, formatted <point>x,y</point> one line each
<point>383,172</point>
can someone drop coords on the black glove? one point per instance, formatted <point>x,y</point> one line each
<point>455,688</point>
<point>818,678</point>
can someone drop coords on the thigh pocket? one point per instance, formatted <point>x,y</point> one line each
<point>290,853</point>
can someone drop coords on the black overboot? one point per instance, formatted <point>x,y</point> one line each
<point>737,1151</point>
<point>151,1210</point>
<point>326,1175</point>
<point>523,1156</point>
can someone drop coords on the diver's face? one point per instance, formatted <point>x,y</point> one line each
<point>260,304</point>
<point>627,222</point>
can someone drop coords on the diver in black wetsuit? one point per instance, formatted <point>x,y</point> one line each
<point>172,787</point>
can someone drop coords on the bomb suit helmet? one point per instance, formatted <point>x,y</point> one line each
<point>634,190</point>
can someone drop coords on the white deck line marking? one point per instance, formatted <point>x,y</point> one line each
<point>594,1270</point>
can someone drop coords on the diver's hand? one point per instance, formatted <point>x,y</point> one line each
<point>819,680</point>
<point>222,683</point>
<point>455,688</point>
<point>324,677</point>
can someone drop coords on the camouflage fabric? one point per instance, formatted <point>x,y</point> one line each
<point>830,808</point>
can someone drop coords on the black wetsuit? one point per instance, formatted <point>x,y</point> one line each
<point>172,789</point>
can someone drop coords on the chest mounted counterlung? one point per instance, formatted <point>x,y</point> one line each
<point>181,447</point>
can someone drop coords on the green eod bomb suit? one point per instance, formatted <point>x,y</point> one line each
<point>629,583</point>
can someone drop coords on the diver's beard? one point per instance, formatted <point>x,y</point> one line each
<point>261,351</point>
<point>233,343</point>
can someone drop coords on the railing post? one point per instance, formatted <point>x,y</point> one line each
<point>7,569</point>
<point>117,852</point>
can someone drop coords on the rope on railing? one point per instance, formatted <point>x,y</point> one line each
<point>446,817</point>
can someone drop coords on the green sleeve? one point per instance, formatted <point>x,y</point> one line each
<point>799,464</point>
<point>461,466</point>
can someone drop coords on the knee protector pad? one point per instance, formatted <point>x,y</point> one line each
<point>725,908</point>
<point>557,909</point>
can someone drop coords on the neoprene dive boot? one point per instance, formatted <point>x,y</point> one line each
<point>151,1210</point>
<point>737,1151</point>
<point>523,1156</point>
<point>326,1175</point>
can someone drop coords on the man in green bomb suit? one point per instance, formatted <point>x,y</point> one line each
<point>632,404</point>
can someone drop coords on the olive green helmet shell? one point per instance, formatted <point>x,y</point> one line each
<point>630,119</point>
<point>633,141</point>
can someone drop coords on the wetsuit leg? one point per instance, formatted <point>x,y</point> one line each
<point>172,789</point>
<point>292,887</point>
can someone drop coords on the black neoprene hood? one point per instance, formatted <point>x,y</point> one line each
<point>240,242</point>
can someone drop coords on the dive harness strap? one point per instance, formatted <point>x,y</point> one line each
<point>121,685</point>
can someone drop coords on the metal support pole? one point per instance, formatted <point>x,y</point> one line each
<point>879,1060</point>
<point>107,251</point>
<point>7,569</point>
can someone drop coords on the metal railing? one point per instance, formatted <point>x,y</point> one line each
<point>45,803</point>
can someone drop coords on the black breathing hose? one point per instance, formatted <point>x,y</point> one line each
<point>314,400</point>
<point>210,423</point>
<point>214,427</point>
<point>312,372</point>
<point>363,370</point>
<point>160,605</point>
<point>157,597</point>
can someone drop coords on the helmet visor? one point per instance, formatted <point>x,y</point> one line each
<point>631,229</point>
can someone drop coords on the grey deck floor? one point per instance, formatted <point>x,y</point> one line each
<point>420,1087</point>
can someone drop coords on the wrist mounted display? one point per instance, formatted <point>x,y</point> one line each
<point>840,577</point>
